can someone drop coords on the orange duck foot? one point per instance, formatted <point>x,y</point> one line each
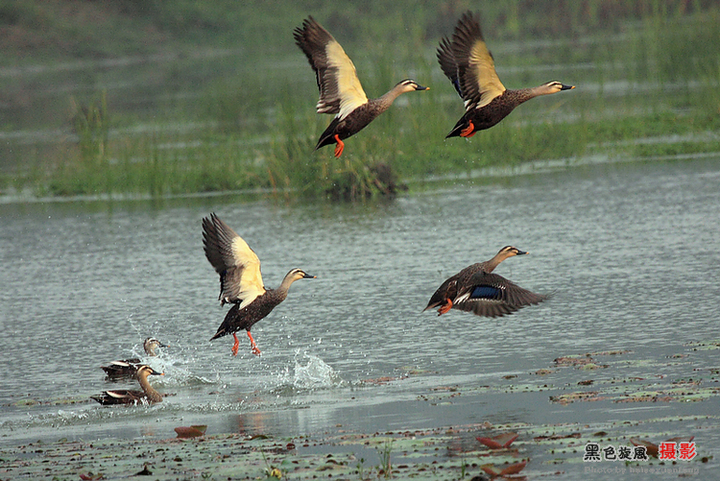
<point>253,346</point>
<point>468,131</point>
<point>445,307</point>
<point>339,147</point>
<point>236,345</point>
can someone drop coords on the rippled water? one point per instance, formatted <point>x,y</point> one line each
<point>630,251</point>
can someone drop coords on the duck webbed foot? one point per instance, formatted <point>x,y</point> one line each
<point>445,307</point>
<point>468,131</point>
<point>253,346</point>
<point>339,146</point>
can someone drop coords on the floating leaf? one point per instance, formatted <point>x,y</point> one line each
<point>495,471</point>
<point>501,441</point>
<point>513,468</point>
<point>650,448</point>
<point>190,431</point>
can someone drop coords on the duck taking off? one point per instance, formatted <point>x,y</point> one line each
<point>340,90</point>
<point>124,396</point>
<point>240,280</point>
<point>476,289</point>
<point>470,66</point>
<point>116,370</point>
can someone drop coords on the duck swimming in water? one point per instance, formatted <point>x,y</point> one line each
<point>125,396</point>
<point>340,90</point>
<point>476,289</point>
<point>470,66</point>
<point>128,367</point>
<point>240,280</point>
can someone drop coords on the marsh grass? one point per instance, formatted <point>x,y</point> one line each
<point>384,453</point>
<point>649,69</point>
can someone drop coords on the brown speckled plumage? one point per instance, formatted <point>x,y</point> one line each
<point>237,319</point>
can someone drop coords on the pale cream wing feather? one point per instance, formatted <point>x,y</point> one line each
<point>477,81</point>
<point>247,283</point>
<point>234,260</point>
<point>337,80</point>
<point>482,67</point>
<point>349,90</point>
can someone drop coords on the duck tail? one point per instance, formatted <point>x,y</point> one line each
<point>227,326</point>
<point>328,136</point>
<point>220,333</point>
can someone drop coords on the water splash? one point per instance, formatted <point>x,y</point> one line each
<point>308,373</point>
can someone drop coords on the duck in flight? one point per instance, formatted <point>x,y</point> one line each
<point>476,289</point>
<point>241,283</point>
<point>340,90</point>
<point>467,62</point>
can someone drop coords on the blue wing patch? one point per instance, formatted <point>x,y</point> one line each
<point>486,292</point>
<point>456,84</point>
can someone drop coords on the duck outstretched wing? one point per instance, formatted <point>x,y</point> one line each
<point>337,80</point>
<point>491,295</point>
<point>475,77</point>
<point>237,264</point>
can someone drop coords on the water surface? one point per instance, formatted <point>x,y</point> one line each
<point>630,253</point>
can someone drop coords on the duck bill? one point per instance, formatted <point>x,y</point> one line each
<point>308,276</point>
<point>521,253</point>
<point>420,87</point>
<point>567,87</point>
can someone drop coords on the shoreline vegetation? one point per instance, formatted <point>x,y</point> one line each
<point>154,99</point>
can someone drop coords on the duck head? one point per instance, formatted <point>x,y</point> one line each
<point>150,344</point>
<point>554,87</point>
<point>409,85</point>
<point>510,251</point>
<point>145,371</point>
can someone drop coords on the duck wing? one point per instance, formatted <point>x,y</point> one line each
<point>120,396</point>
<point>237,264</point>
<point>446,58</point>
<point>340,88</point>
<point>492,295</point>
<point>478,82</point>
<point>121,368</point>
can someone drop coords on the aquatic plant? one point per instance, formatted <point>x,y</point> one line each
<point>384,452</point>
<point>644,69</point>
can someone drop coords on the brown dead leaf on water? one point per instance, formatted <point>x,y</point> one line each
<point>495,471</point>
<point>501,441</point>
<point>185,432</point>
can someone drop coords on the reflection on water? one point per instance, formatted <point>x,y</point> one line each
<point>629,251</point>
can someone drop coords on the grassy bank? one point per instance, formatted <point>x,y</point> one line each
<point>213,97</point>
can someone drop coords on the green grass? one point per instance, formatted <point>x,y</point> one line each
<point>229,103</point>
